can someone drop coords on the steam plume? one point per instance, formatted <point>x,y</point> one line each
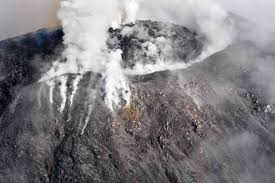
<point>85,24</point>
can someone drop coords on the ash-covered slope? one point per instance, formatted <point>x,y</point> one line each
<point>24,59</point>
<point>212,122</point>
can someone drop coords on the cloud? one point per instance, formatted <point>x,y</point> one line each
<point>260,11</point>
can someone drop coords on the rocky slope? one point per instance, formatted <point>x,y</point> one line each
<point>212,122</point>
<point>147,41</point>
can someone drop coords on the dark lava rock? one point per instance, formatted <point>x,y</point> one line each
<point>147,41</point>
<point>193,125</point>
<point>24,59</point>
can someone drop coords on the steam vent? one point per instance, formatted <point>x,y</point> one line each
<point>212,121</point>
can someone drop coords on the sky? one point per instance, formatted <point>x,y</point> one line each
<point>260,11</point>
<point>22,16</point>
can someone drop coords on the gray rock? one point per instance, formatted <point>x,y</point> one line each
<point>147,41</point>
<point>192,125</point>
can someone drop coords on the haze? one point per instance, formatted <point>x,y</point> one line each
<point>22,16</point>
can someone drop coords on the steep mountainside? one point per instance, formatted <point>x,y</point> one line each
<point>212,122</point>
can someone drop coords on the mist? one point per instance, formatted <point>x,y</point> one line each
<point>86,25</point>
<point>259,11</point>
<point>219,112</point>
<point>84,51</point>
<point>21,16</point>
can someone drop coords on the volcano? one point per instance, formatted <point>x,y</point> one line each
<point>211,122</point>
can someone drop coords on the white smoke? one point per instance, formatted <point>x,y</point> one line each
<point>213,21</point>
<point>86,23</point>
<point>75,87</point>
<point>204,16</point>
<point>116,83</point>
<point>126,14</point>
<point>63,92</point>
